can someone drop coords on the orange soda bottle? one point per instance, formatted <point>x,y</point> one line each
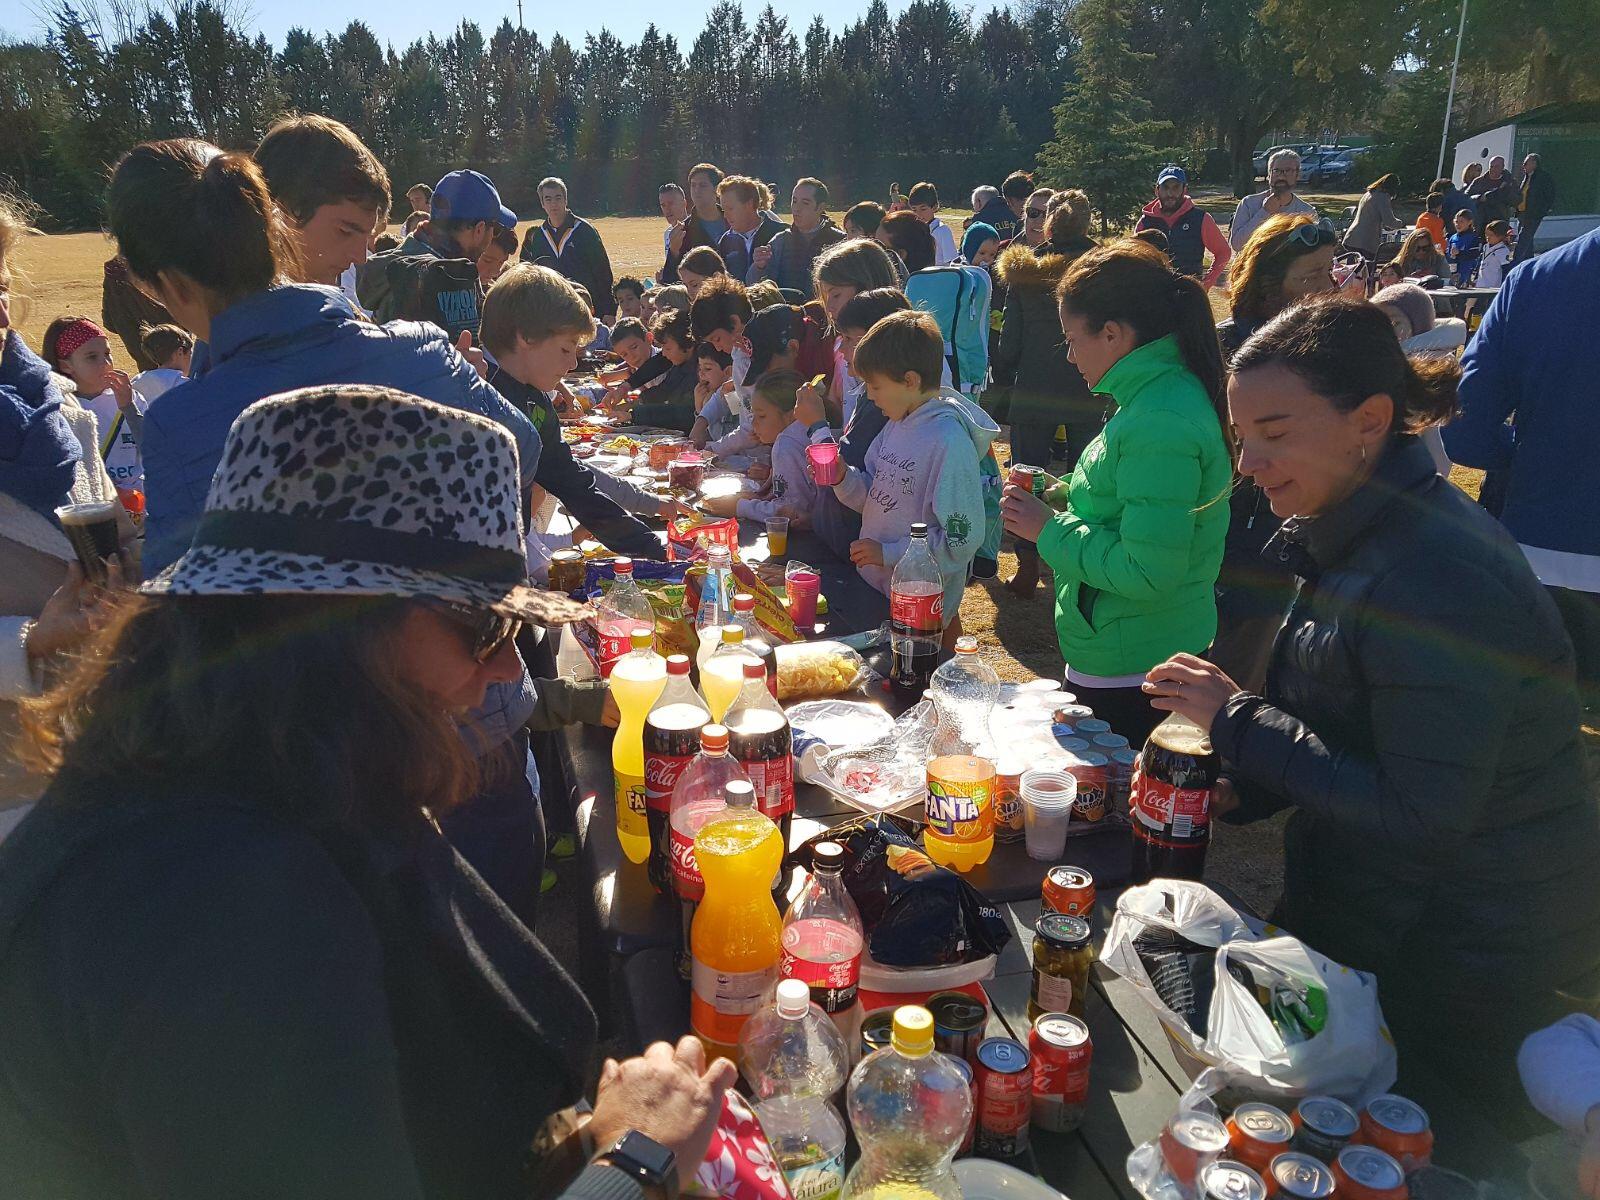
<point>737,937</point>
<point>961,775</point>
<point>636,682</point>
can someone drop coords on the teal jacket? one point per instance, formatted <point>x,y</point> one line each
<point>1138,543</point>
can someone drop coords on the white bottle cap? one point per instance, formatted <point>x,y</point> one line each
<point>794,998</point>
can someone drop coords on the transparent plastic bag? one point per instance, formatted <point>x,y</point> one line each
<point>815,670</point>
<point>888,774</point>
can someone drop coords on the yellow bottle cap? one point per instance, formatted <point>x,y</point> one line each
<point>732,634</point>
<point>913,1030</point>
<point>642,638</point>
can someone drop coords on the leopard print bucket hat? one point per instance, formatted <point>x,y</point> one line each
<point>365,491</point>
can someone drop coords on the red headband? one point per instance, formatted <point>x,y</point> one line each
<point>73,337</point>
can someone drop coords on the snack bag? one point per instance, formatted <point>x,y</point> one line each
<point>662,584</point>
<point>687,537</point>
<point>816,670</point>
<point>739,1164</point>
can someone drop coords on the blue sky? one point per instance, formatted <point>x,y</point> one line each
<point>401,21</point>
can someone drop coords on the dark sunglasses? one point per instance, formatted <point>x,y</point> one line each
<point>1037,214</point>
<point>1312,236</point>
<point>487,631</point>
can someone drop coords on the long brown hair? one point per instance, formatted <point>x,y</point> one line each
<point>292,702</point>
<point>1416,252</point>
<point>1129,281</point>
<point>1257,272</point>
<point>185,205</point>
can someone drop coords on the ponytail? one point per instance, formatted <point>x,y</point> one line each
<point>1129,281</point>
<point>1345,351</point>
<point>183,205</point>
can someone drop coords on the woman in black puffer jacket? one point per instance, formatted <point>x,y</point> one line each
<point>1030,360</point>
<point>1419,715</point>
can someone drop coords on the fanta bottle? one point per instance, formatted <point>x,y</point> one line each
<point>636,681</point>
<point>737,937</point>
<point>960,806</point>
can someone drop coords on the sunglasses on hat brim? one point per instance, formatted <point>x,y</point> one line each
<point>486,630</point>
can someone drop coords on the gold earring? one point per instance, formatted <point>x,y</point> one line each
<point>1363,454</point>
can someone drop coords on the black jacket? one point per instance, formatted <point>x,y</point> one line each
<point>570,481</point>
<point>670,404</point>
<point>740,262</point>
<point>1030,358</point>
<point>1421,719</point>
<point>578,254</point>
<point>1540,188</point>
<point>998,215</point>
<point>203,998</point>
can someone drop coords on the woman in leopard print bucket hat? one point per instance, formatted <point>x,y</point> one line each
<point>237,957</point>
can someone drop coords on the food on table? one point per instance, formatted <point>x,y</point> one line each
<point>811,670</point>
<point>621,444</point>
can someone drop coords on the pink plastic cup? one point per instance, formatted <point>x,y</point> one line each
<point>827,468</point>
<point>803,585</point>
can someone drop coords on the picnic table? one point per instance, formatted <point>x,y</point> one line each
<point>1137,1077</point>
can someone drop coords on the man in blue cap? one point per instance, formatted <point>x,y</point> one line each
<point>433,275</point>
<point>1190,231</point>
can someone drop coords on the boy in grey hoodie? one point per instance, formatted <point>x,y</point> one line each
<point>924,465</point>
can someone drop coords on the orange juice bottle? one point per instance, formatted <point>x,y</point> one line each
<point>636,681</point>
<point>737,937</point>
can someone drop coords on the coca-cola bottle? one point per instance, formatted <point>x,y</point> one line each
<point>1170,801</point>
<point>823,940</point>
<point>622,609</point>
<point>671,738</point>
<point>916,618</point>
<point>759,738</point>
<point>756,639</point>
<point>696,798</point>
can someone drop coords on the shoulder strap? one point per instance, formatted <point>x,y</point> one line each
<point>111,438</point>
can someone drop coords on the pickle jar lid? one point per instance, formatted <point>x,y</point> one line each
<point>1061,930</point>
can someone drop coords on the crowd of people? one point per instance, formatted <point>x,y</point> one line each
<point>275,831</point>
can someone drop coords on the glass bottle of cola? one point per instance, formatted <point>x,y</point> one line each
<point>916,618</point>
<point>1170,801</point>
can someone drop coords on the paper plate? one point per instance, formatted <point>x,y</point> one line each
<point>984,1180</point>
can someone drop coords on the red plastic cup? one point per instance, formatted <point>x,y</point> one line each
<point>827,468</point>
<point>803,586</point>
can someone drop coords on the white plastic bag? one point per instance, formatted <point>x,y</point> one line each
<point>1351,1057</point>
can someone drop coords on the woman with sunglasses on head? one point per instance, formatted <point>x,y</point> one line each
<point>1134,537</point>
<point>1419,715</point>
<point>1286,259</point>
<point>283,980</point>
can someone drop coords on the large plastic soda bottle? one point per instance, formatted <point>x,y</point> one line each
<point>716,602</point>
<point>823,940</point>
<point>620,611</point>
<point>671,740</point>
<point>795,1061</point>
<point>756,639</point>
<point>909,1106</point>
<point>698,796</point>
<point>916,618</point>
<point>723,673</point>
<point>636,681</point>
<point>760,738</point>
<point>960,805</point>
<point>737,935</point>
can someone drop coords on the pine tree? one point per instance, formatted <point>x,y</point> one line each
<point>1106,140</point>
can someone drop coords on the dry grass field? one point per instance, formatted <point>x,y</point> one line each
<point>61,274</point>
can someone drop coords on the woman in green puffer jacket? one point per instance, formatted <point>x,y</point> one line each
<point>1135,535</point>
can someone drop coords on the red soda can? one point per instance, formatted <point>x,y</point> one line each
<point>1029,479</point>
<point>1191,1142</point>
<point>1258,1133</point>
<point>1398,1127</point>
<point>1062,1051</point>
<point>1069,890</point>
<point>1005,1097</point>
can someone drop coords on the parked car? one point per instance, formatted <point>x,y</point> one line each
<point>1328,165</point>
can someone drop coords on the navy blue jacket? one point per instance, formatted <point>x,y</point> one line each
<point>572,482</point>
<point>731,247</point>
<point>298,335</point>
<point>998,214</point>
<point>1524,362</point>
<point>577,254</point>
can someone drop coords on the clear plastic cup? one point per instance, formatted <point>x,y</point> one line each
<point>1047,799</point>
<point>827,468</point>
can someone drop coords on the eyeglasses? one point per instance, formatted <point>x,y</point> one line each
<point>487,631</point>
<point>1312,236</point>
<point>1036,214</point>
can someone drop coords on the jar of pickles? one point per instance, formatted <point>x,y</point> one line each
<point>1063,952</point>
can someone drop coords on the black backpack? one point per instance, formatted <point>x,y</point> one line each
<point>395,286</point>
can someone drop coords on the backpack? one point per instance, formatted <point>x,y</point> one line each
<point>957,296</point>
<point>395,286</point>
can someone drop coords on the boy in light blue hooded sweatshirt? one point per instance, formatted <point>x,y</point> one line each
<point>924,465</point>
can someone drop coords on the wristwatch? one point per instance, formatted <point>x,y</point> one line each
<point>647,1160</point>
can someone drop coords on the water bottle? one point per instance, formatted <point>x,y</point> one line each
<point>716,602</point>
<point>794,1060</point>
<point>910,1107</point>
<point>960,805</point>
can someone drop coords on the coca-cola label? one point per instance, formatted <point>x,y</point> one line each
<point>1064,1078</point>
<point>919,611</point>
<point>833,984</point>
<point>661,773</point>
<point>613,641</point>
<point>1181,814</point>
<point>686,878</point>
<point>773,781</point>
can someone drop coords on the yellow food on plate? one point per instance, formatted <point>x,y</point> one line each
<point>817,670</point>
<point>621,444</point>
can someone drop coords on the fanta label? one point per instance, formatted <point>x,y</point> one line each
<point>955,811</point>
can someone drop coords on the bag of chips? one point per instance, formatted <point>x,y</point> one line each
<point>662,584</point>
<point>688,536</point>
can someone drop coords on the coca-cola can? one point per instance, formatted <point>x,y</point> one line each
<point>1005,1097</point>
<point>1062,1051</point>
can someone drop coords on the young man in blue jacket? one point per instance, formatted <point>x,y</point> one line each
<point>1525,363</point>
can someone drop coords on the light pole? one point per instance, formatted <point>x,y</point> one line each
<point>1450,100</point>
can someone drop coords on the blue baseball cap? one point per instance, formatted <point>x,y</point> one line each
<point>469,196</point>
<point>1172,173</point>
